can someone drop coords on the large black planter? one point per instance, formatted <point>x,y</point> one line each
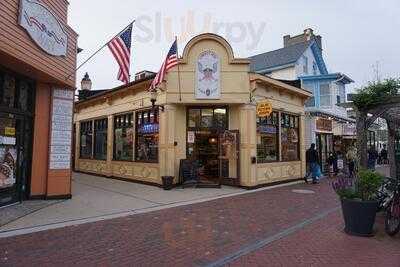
<point>359,216</point>
<point>168,182</point>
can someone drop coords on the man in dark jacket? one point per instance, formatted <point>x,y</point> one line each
<point>312,163</point>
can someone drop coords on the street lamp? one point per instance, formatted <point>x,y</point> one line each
<point>153,99</point>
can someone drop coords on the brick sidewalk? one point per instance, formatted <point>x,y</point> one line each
<point>325,244</point>
<point>195,235</point>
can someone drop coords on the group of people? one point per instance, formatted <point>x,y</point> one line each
<point>314,165</point>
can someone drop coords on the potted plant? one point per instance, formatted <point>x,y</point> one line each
<point>358,199</point>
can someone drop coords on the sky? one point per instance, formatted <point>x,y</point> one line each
<point>359,38</point>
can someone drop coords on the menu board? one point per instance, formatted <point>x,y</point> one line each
<point>61,129</point>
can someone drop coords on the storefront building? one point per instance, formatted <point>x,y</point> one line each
<point>37,81</point>
<point>205,113</point>
<point>301,60</point>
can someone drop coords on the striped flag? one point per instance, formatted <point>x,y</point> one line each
<point>120,47</point>
<point>170,62</point>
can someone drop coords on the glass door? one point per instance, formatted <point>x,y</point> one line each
<point>12,166</point>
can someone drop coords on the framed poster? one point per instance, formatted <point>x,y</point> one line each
<point>208,70</point>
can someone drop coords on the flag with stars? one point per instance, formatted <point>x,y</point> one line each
<point>120,47</point>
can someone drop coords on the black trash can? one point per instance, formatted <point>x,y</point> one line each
<point>168,182</point>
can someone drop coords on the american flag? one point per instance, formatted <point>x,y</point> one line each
<point>120,47</point>
<point>170,62</point>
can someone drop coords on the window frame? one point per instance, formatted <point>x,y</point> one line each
<point>325,95</point>
<point>276,124</point>
<point>94,138</point>
<point>156,116</point>
<point>88,122</point>
<point>296,126</point>
<point>131,123</point>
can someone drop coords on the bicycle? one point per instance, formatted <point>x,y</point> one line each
<point>392,209</point>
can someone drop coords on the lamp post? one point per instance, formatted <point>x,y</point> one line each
<point>153,99</point>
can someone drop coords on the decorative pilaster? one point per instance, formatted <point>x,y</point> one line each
<point>248,144</point>
<point>166,148</point>
<point>110,146</point>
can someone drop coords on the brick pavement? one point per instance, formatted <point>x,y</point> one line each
<point>325,244</point>
<point>193,235</point>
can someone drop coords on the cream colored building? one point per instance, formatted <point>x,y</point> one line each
<point>206,113</point>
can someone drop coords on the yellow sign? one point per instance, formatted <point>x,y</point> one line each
<point>264,109</point>
<point>9,131</point>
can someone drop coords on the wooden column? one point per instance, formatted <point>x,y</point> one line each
<point>248,144</point>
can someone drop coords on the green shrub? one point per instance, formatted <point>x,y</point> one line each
<point>368,183</point>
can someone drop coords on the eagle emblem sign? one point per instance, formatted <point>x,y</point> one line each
<point>208,76</point>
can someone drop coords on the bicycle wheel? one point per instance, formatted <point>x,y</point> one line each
<point>392,216</point>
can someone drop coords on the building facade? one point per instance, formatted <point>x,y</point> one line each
<point>37,81</point>
<point>301,58</point>
<point>206,114</point>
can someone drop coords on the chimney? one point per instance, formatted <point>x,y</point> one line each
<point>86,83</point>
<point>308,33</point>
<point>286,40</point>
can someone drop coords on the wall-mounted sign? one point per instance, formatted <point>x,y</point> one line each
<point>61,129</point>
<point>208,69</point>
<point>43,27</point>
<point>349,129</point>
<point>190,137</point>
<point>324,125</point>
<point>10,131</point>
<point>264,109</point>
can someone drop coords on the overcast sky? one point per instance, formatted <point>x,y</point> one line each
<point>355,34</point>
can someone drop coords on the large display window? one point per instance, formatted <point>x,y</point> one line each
<point>100,139</point>
<point>147,128</point>
<point>268,138</point>
<point>290,141</point>
<point>123,137</point>
<point>86,138</point>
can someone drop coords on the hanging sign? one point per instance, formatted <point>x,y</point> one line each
<point>264,109</point>
<point>43,27</point>
<point>208,69</point>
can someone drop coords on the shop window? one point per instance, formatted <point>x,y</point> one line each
<point>208,118</point>
<point>290,143</point>
<point>123,137</point>
<point>86,132</point>
<point>267,138</point>
<point>100,139</point>
<point>147,127</point>
<point>194,118</point>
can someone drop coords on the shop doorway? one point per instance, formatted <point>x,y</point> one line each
<point>214,148</point>
<point>14,158</point>
<point>324,147</point>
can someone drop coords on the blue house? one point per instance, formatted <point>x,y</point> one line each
<point>301,59</point>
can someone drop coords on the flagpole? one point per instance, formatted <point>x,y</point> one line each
<point>98,50</point>
<point>179,73</point>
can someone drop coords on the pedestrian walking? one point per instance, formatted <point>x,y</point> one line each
<point>351,157</point>
<point>384,155</point>
<point>333,163</point>
<point>313,167</point>
<point>372,156</point>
